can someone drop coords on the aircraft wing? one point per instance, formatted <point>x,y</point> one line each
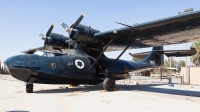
<point>168,53</point>
<point>172,30</point>
<point>48,48</point>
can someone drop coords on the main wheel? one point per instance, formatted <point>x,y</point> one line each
<point>109,84</point>
<point>29,88</point>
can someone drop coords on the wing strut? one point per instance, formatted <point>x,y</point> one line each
<point>102,53</point>
<point>120,55</point>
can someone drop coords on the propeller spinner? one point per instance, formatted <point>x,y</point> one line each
<point>45,38</point>
<point>73,26</point>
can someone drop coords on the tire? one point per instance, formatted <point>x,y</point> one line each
<point>29,88</point>
<point>109,84</point>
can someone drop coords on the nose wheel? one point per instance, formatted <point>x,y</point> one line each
<point>109,84</point>
<point>29,87</point>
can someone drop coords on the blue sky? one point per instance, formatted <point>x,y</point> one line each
<point>22,20</point>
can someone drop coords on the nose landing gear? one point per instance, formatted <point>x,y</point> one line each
<point>29,87</point>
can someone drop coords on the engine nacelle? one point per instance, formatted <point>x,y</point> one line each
<point>57,40</point>
<point>84,33</point>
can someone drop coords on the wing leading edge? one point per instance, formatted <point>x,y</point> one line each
<point>172,30</point>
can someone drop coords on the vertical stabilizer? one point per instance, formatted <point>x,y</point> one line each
<point>154,58</point>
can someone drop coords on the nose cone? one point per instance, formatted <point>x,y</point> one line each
<point>9,62</point>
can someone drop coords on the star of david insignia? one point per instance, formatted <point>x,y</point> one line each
<point>79,64</point>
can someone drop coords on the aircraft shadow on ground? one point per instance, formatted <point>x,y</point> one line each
<point>164,90</point>
<point>145,88</point>
<point>70,90</point>
<point>17,111</point>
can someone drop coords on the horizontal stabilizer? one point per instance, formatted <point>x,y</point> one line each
<point>168,53</point>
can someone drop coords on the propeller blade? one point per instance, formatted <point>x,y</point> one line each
<point>78,21</point>
<point>42,36</point>
<point>50,30</point>
<point>66,27</point>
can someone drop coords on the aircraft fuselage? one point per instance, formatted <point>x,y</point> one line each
<point>62,69</point>
<point>54,68</point>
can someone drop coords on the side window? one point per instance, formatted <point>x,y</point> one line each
<point>48,54</point>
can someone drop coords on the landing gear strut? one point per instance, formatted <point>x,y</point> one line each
<point>109,84</point>
<point>29,87</point>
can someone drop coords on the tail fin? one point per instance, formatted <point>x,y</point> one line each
<point>154,58</point>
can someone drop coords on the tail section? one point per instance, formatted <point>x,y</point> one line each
<point>156,56</point>
<point>155,59</point>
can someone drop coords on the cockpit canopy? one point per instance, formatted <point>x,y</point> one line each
<point>47,54</point>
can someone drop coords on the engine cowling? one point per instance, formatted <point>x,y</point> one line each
<point>57,40</point>
<point>83,33</point>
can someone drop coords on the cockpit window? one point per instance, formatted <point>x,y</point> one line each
<point>48,54</point>
<point>45,54</point>
<point>40,53</point>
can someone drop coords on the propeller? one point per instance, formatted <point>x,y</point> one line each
<point>42,36</point>
<point>45,38</point>
<point>73,26</point>
<point>77,21</point>
<point>66,27</point>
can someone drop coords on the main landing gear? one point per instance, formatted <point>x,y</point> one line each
<point>109,84</point>
<point>29,87</point>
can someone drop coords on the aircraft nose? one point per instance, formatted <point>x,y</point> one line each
<point>8,63</point>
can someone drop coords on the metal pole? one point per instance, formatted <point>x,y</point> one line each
<point>69,47</point>
<point>102,52</point>
<point>161,74</point>
<point>186,75</point>
<point>120,55</point>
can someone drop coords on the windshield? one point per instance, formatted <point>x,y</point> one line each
<point>45,54</point>
<point>40,53</point>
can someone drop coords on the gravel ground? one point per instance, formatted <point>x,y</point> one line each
<point>150,95</point>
